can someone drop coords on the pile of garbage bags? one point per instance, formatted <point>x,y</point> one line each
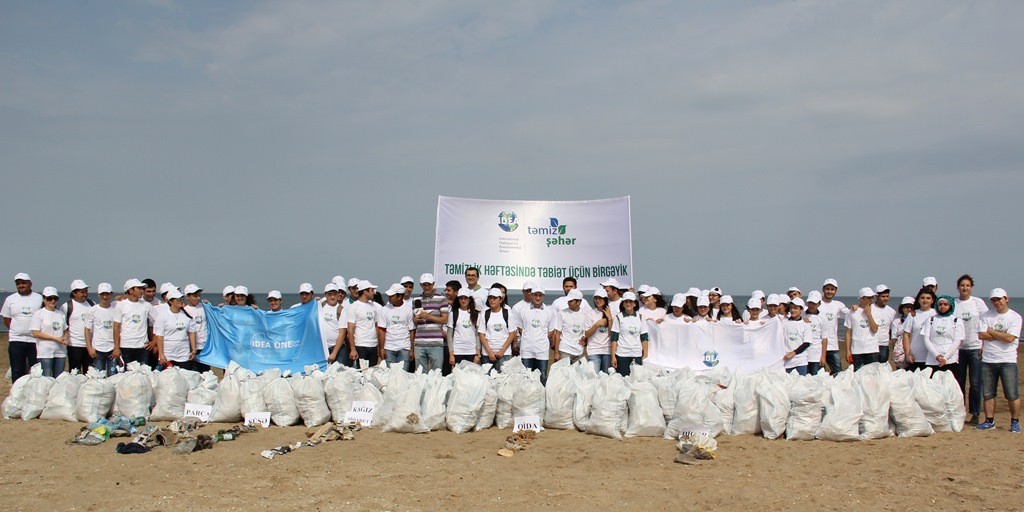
<point>872,403</point>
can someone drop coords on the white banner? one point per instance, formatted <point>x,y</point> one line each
<point>512,242</point>
<point>703,346</point>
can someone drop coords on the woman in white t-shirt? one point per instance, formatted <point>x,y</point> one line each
<point>943,335</point>
<point>654,306</point>
<point>463,338</point>
<point>727,310</point>
<point>678,314</point>
<point>175,334</point>
<point>754,312</point>
<point>598,336</point>
<point>899,355</point>
<point>913,338</point>
<point>50,329</point>
<point>629,336</point>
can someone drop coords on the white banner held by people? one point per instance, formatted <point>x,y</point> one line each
<point>512,242</point>
<point>703,346</point>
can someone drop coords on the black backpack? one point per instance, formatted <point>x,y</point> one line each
<point>504,314</point>
<point>71,306</point>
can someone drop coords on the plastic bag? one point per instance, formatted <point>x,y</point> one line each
<point>609,406</point>
<point>694,412</point>
<point>227,408</point>
<point>134,391</point>
<point>406,416</point>
<point>842,410</point>
<point>953,399</point>
<point>60,402</point>
<point>172,389</point>
<point>560,395</point>
<point>805,408</point>
<point>724,397</point>
<point>773,405</point>
<point>366,392</point>
<point>310,399</point>
<point>906,414</point>
<point>586,384</point>
<point>745,420</point>
<point>280,399</point>
<point>15,400</point>
<point>205,393</point>
<point>435,399</point>
<point>95,397</point>
<point>250,397</point>
<point>930,395</point>
<point>489,410</point>
<point>645,417</point>
<point>339,390</point>
<point>466,400</point>
<point>873,382</point>
<point>529,397</point>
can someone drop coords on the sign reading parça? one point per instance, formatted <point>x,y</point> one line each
<point>512,242</point>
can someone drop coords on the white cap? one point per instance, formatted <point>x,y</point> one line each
<point>366,285</point>
<point>174,293</point>
<point>726,299</point>
<point>132,283</point>
<point>274,294</point>
<point>228,290</point>
<point>773,300</point>
<point>354,282</point>
<point>241,290</point>
<point>629,296</point>
<point>693,292</point>
<point>814,296</point>
<point>601,293</point>
<point>930,281</point>
<point>783,298</point>
<point>830,281</point>
<point>191,288</point>
<point>50,291</point>
<point>407,279</point>
<point>793,289</point>
<point>305,288</point>
<point>678,301</point>
<point>166,287</point>
<point>494,292</point>
<point>528,285</point>
<point>997,293</point>
<point>463,292</point>
<point>78,284</point>
<point>653,290</point>
<point>338,280</point>
<point>643,289</point>
<point>866,292</point>
<point>907,300</point>
<point>427,277</point>
<point>575,294</point>
<point>330,287</point>
<point>104,288</point>
<point>611,281</point>
<point>716,290</point>
<point>757,294</point>
<point>395,289</point>
<point>537,289</point>
<point>882,288</point>
<point>754,303</point>
<point>703,301</point>
<point>797,302</point>
<point>21,276</point>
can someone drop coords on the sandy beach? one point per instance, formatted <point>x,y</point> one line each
<point>561,470</point>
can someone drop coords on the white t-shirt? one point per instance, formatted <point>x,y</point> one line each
<point>198,318</point>
<point>652,314</point>
<point>830,314</point>
<point>463,333</point>
<point>19,308</point>
<point>912,325</point>
<point>970,312</point>
<point>53,324</point>
<point>495,330</point>
<point>1000,351</point>
<point>174,327</point>
<point>814,352</point>
<point>798,332</point>
<point>942,337</point>
<point>888,314</point>
<point>535,325</point>
<point>573,325</point>
<point>134,320</point>
<point>159,309</point>
<point>629,328</point>
<point>101,323</point>
<point>862,340</point>
<point>397,322</point>
<point>671,318</point>
<point>599,343</point>
<point>76,324</point>
<point>329,326</point>
<point>363,317</point>
<point>896,330</point>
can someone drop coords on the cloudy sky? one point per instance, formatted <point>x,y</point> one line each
<point>269,143</point>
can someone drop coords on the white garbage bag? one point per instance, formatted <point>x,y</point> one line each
<point>490,408</point>
<point>907,415</point>
<point>280,399</point>
<point>204,393</point>
<point>528,399</point>
<point>746,416</point>
<point>609,406</point>
<point>95,397</point>
<point>60,403</point>
<point>873,382</point>
<point>645,417</point>
<point>560,393</point>
<point>378,375</point>
<point>172,387</point>
<point>15,400</point>
<point>340,390</point>
<point>724,397</point>
<point>466,400</point>
<point>931,396</point>
<point>310,399</point>
<point>586,384</point>
<point>806,409</point>
<point>694,411</point>
<point>953,399</point>
<point>407,414</point>
<point>366,392</point>
<point>435,399</point>
<point>134,391</point>
<point>843,409</point>
<point>773,405</point>
<point>227,407</point>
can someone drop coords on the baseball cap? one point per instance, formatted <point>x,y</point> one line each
<point>330,287</point>
<point>693,292</point>
<point>930,281</point>
<point>241,290</point>
<point>191,288</point>
<point>757,294</point>
<point>814,296</point>
<point>907,300</point>
<point>427,278</point>
<point>463,292</point>
<point>104,288</point>
<point>305,288</point>
<point>338,280</point>
<point>78,284</point>
<point>754,303</point>
<point>395,289</point>
<point>50,291</point>
<point>132,283</point>
<point>773,300</point>
<point>726,299</point>
<point>830,281</point>
<point>494,292</point>
<point>366,285</point>
<point>653,290</point>
<point>703,301</point>
<point>601,293</point>
<point>174,294</point>
<point>528,285</point>
<point>866,292</point>
<point>882,288</point>
<point>643,289</point>
<point>797,302</point>
<point>611,282</point>
<point>715,290</point>
<point>678,301</point>
<point>228,290</point>
<point>575,294</point>
<point>997,293</point>
<point>783,298</point>
<point>166,287</point>
<point>274,294</point>
<point>793,289</point>
<point>629,296</point>
<point>407,279</point>
<point>537,289</point>
<point>354,282</point>
<point>21,276</point>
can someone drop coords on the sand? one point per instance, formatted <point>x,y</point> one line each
<point>561,470</point>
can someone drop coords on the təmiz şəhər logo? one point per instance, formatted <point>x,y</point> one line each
<point>554,232</point>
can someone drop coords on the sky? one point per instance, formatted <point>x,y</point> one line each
<point>763,144</point>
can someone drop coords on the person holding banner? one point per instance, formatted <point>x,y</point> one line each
<point>798,338</point>
<point>330,310</point>
<point>364,340</point>
<point>274,300</point>
<point>653,306</point>
<point>703,310</point>
<point>598,336</point>
<point>573,324</point>
<point>175,334</point>
<point>229,296</point>
<point>463,339</point>
<point>727,310</point>
<point>629,335</point>
<point>677,315</point>
<point>495,331</point>
<point>537,325</point>
<point>753,312</point>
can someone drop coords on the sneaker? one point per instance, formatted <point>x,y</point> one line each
<point>986,425</point>
<point>1015,427</point>
<point>973,420</point>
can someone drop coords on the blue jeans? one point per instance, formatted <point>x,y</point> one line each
<point>22,356</point>
<point>429,358</point>
<point>992,373</point>
<point>800,370</point>
<point>601,361</point>
<point>140,355</point>
<point>883,354</point>
<point>813,368</point>
<point>625,362</point>
<point>103,363</point>
<point>396,357</point>
<point>494,364</point>
<point>832,360</point>
<point>538,364</point>
<point>860,360</point>
<point>52,366</point>
<point>969,371</point>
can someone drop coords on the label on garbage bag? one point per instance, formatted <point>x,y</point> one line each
<point>198,411</point>
<point>361,412</point>
<point>257,418</point>
<point>527,423</point>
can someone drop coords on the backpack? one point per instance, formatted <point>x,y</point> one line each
<point>504,314</point>
<point>71,306</point>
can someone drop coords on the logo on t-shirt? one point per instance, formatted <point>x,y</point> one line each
<point>829,316</point>
<point>179,326</point>
<point>966,315</point>
<point>577,328</point>
<point>863,324</point>
<point>136,318</point>
<point>26,310</point>
<point>633,330</point>
<point>108,324</point>
<point>497,327</point>
<point>466,324</point>
<point>329,317</point>
<point>369,315</point>
<point>55,326</point>
<point>535,323</point>
<point>793,336</point>
<point>940,330</point>
<point>999,327</point>
<point>396,319</point>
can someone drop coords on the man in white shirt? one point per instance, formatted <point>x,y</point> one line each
<point>194,309</point>
<point>831,312</point>
<point>131,324</point>
<point>399,328</point>
<point>562,303</point>
<point>330,312</point>
<point>364,340</point>
<point>274,300</point>
<point>573,325</point>
<point>17,311</point>
<point>537,325</point>
<point>862,331</point>
<point>970,309</point>
<point>614,291</point>
<point>479,292</point>
<point>887,315</point>
<point>1000,333</point>
<point>99,331</point>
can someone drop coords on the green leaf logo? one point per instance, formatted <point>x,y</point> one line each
<point>561,229</point>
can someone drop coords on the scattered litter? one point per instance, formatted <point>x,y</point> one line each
<point>324,433</point>
<point>694,448</point>
<point>517,442</point>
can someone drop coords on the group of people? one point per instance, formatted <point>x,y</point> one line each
<point>468,322</point>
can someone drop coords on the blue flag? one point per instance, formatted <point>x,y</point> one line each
<point>260,340</point>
